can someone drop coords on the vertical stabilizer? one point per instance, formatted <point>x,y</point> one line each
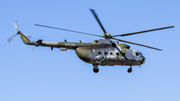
<point>23,37</point>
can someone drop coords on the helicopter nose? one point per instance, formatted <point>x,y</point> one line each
<point>143,61</point>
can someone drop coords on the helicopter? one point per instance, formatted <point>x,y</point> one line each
<point>104,52</point>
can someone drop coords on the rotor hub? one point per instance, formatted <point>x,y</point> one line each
<point>107,36</point>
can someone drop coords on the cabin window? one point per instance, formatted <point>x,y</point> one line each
<point>106,53</point>
<point>99,52</point>
<point>111,53</point>
<point>123,54</point>
<point>117,53</point>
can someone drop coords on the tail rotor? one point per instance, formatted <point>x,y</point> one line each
<point>16,27</point>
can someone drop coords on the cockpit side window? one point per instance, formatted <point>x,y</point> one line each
<point>137,54</point>
<point>96,41</point>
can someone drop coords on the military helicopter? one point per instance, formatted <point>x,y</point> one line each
<point>104,52</point>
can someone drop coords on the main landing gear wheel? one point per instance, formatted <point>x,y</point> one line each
<point>96,70</point>
<point>129,70</point>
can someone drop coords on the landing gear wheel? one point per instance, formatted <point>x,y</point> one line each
<point>129,70</point>
<point>96,70</point>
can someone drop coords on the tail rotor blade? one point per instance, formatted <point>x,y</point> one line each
<point>12,37</point>
<point>15,25</point>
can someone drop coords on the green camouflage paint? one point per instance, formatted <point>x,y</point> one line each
<point>83,53</point>
<point>23,37</point>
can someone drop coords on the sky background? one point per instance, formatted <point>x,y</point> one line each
<point>45,75</point>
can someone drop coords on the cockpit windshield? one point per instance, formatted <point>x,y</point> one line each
<point>137,54</point>
<point>141,55</point>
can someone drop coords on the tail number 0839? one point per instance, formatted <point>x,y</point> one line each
<point>70,44</point>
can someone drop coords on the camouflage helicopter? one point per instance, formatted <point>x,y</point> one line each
<point>99,52</point>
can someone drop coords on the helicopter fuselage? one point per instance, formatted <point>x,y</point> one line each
<point>99,52</point>
<point>110,55</point>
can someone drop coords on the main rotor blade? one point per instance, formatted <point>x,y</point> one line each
<point>137,44</point>
<point>144,31</point>
<point>67,30</point>
<point>95,15</point>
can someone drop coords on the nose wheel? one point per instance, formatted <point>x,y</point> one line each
<point>129,70</point>
<point>95,69</point>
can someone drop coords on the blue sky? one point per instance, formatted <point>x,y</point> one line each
<point>61,76</point>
